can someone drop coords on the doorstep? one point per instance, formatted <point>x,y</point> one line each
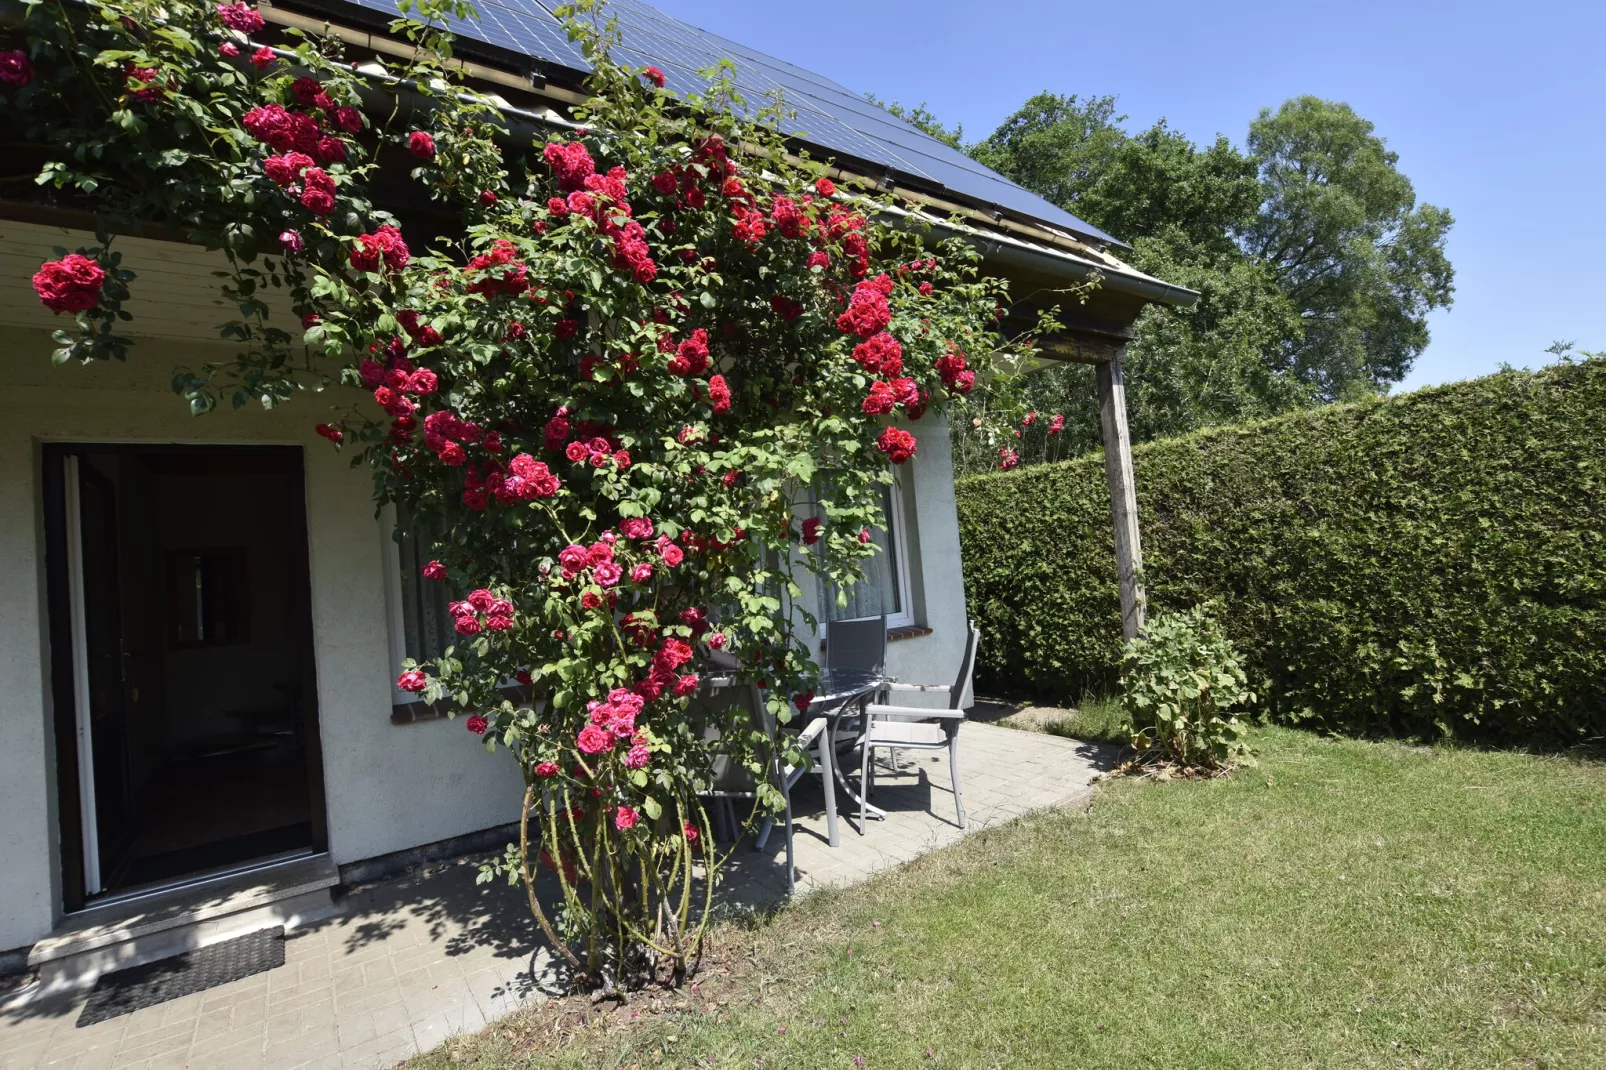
<point>162,924</point>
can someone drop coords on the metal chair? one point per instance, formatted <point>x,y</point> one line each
<point>857,644</point>
<point>898,728</point>
<point>733,780</point>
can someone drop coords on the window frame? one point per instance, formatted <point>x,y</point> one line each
<point>395,625</point>
<point>898,531</point>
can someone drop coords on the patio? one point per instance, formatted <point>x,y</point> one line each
<point>413,961</point>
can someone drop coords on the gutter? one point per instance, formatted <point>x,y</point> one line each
<point>1004,249</point>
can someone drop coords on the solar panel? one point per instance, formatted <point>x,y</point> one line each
<point>829,116</point>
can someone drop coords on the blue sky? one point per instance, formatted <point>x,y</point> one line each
<point>1498,113</point>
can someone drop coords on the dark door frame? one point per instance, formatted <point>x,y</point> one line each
<point>59,633</point>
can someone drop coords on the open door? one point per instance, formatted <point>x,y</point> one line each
<point>181,638</point>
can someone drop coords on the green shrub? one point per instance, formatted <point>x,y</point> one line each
<point>1432,564</point>
<point>1182,688</point>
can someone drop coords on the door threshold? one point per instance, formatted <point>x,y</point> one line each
<point>158,923</point>
<point>195,880</point>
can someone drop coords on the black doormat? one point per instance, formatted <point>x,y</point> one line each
<point>128,990</point>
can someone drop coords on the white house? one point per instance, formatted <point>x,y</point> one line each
<point>200,617</point>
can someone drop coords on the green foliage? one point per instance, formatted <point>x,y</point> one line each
<point>1315,266</point>
<point>921,118</point>
<point>1182,688</point>
<point>1351,248</point>
<point>1430,564</point>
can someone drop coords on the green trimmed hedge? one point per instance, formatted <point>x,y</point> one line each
<point>1432,564</point>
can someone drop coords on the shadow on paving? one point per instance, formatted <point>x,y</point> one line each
<point>440,909</point>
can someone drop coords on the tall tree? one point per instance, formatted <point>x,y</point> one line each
<point>1351,248</point>
<point>1316,267</point>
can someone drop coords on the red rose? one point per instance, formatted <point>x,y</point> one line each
<point>285,169</point>
<point>546,770</point>
<point>898,444</point>
<point>348,119</point>
<point>811,530</point>
<point>229,49</point>
<point>262,57</point>
<point>412,680</point>
<point>488,198</point>
<point>331,150</point>
<point>15,67</point>
<point>318,191</point>
<point>434,571</point>
<point>240,17</point>
<point>689,830</point>
<point>624,818</point>
<point>825,186</point>
<point>476,724</point>
<point>151,91</point>
<point>384,245</point>
<point>654,75</point>
<point>333,434</point>
<point>570,162</point>
<point>290,241</point>
<point>593,740</point>
<point>421,145</point>
<point>71,284</point>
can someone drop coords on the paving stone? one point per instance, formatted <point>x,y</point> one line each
<point>413,962</point>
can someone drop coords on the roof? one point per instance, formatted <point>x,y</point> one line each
<point>828,115</point>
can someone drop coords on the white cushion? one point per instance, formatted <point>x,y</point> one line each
<point>908,734</point>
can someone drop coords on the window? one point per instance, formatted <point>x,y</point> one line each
<point>420,625</point>
<point>885,587</point>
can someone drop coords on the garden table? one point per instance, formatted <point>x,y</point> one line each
<point>842,692</point>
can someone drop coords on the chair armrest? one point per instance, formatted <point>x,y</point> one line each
<point>811,732</point>
<point>923,713</point>
<point>937,688</point>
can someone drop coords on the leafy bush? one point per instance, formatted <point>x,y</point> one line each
<point>1432,564</point>
<point>1182,686</point>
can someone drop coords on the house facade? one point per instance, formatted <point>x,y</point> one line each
<point>201,618</point>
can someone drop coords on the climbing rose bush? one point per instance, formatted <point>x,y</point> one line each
<point>652,380</point>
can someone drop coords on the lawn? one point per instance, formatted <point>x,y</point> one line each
<point>1345,904</point>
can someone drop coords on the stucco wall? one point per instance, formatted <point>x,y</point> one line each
<point>938,585</point>
<point>387,787</point>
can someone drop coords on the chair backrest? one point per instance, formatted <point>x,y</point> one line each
<point>711,705</point>
<point>966,664</point>
<point>857,644</point>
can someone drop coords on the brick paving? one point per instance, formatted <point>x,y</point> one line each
<point>414,961</point>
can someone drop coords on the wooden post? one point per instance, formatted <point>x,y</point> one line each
<point>1123,494</point>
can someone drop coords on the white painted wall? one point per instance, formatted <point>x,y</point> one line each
<point>387,787</point>
<point>935,575</point>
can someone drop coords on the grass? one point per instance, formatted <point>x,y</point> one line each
<point>1345,904</point>
<point>1095,719</point>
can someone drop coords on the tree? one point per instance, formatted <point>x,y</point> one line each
<point>1056,146</point>
<point>1341,228</point>
<point>1315,267</point>
<point>922,119</point>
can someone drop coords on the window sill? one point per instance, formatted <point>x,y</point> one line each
<point>912,631</point>
<point>419,712</point>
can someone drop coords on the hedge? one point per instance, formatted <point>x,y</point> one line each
<point>1430,565</point>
